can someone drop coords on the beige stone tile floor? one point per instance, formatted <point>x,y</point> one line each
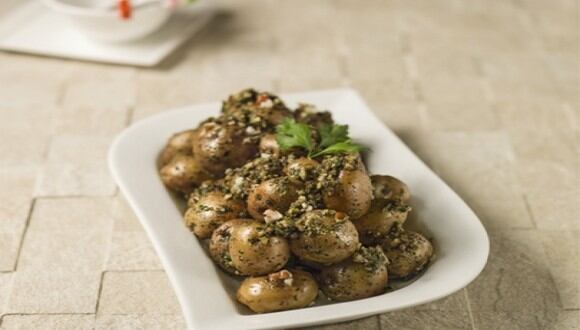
<point>486,92</point>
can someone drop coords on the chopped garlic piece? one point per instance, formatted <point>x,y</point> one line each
<point>267,104</point>
<point>272,215</point>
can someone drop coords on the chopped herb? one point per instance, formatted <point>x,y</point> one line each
<point>372,257</point>
<point>291,134</point>
<point>333,139</point>
<point>341,147</point>
<point>332,134</point>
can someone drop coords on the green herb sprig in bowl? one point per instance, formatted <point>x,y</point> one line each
<point>334,139</point>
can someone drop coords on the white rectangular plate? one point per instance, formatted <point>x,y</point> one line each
<point>32,28</point>
<point>207,295</point>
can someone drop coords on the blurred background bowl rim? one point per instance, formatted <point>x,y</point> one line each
<point>67,8</point>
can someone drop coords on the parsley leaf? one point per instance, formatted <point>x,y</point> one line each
<point>332,134</point>
<point>333,139</point>
<point>341,147</point>
<point>291,134</point>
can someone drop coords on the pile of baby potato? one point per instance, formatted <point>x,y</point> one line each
<point>290,222</point>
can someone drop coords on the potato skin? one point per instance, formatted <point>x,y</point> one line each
<point>253,253</point>
<point>274,194</point>
<point>351,280</point>
<point>325,237</point>
<point>269,293</point>
<point>219,147</point>
<point>183,173</point>
<point>203,189</point>
<point>408,254</point>
<point>210,211</point>
<point>219,244</point>
<point>383,215</point>
<point>273,115</point>
<point>308,114</point>
<point>388,187</point>
<point>178,143</point>
<point>352,194</point>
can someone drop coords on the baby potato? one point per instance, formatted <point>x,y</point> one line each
<point>183,173</point>
<point>219,244</point>
<point>283,290</point>
<point>273,115</point>
<point>408,253</point>
<point>271,108</point>
<point>238,100</point>
<point>361,276</point>
<point>210,211</point>
<point>203,189</point>
<point>265,105</point>
<point>269,145</point>
<point>309,115</point>
<point>219,147</point>
<point>179,143</point>
<point>384,214</point>
<point>302,169</point>
<point>274,194</point>
<point>253,252</point>
<point>388,187</point>
<point>325,237</point>
<point>352,194</point>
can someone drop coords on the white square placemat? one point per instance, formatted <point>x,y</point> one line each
<point>32,28</point>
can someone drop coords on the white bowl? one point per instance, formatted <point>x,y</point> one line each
<point>106,25</point>
<point>207,294</point>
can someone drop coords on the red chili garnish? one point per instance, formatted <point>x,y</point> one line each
<point>125,9</point>
<point>261,98</point>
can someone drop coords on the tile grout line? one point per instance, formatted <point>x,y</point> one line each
<point>550,272</point>
<point>134,271</point>
<point>32,314</point>
<point>57,197</point>
<point>529,211</point>
<point>130,111</point>
<point>59,105</point>
<point>41,314</point>
<point>104,265</point>
<point>38,177</point>
<point>99,293</point>
<point>4,304</point>
<point>24,233</point>
<point>469,311</point>
<point>129,116</point>
<point>105,260</point>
